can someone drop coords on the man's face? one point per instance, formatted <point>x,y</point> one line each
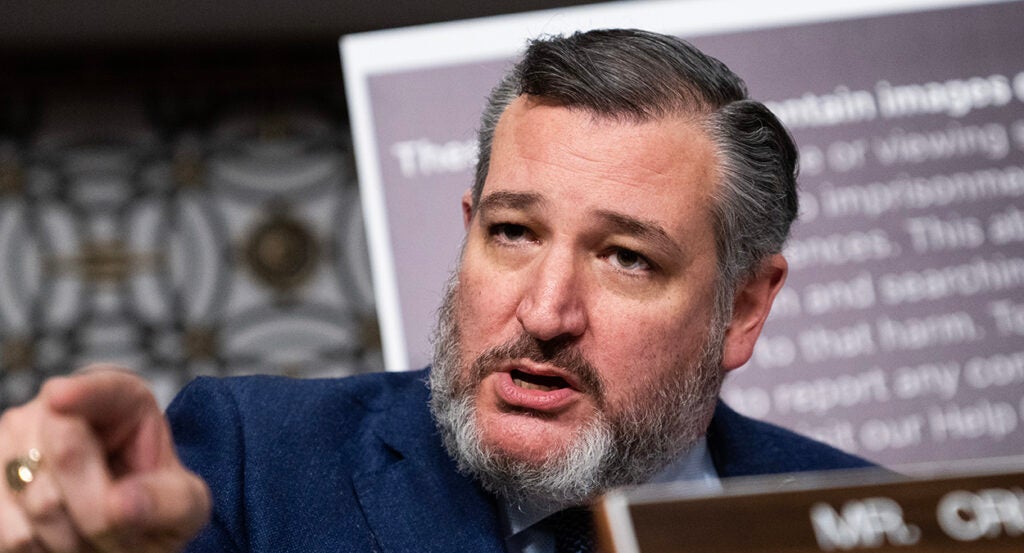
<point>586,288</point>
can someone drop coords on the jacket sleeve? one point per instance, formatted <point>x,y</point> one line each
<point>207,430</point>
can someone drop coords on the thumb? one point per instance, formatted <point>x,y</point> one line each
<point>167,506</point>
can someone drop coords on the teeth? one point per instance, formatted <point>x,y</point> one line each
<point>532,386</point>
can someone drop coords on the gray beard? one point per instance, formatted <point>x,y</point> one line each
<point>613,449</point>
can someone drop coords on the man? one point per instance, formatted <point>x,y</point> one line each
<point>621,255</point>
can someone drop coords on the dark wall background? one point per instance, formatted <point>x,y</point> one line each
<point>176,188</point>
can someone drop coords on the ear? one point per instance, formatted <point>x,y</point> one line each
<point>751,305</point>
<point>467,208</point>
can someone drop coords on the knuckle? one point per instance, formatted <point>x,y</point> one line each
<point>43,502</point>
<point>14,537</point>
<point>67,448</point>
<point>47,388</point>
<point>105,523</point>
<point>14,418</point>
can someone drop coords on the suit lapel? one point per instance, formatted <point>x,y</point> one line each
<point>409,511</point>
<point>413,497</point>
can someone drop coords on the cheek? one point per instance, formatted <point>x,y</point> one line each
<point>484,308</point>
<point>637,352</point>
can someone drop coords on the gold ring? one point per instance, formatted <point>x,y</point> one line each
<point>21,471</point>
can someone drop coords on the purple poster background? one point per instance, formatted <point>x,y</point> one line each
<point>426,128</point>
<point>899,334</point>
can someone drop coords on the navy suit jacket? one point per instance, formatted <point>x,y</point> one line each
<point>356,464</point>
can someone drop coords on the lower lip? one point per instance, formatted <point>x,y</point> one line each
<point>537,400</point>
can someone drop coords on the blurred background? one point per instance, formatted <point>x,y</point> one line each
<point>177,190</point>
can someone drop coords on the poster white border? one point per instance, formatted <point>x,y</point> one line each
<point>487,39</point>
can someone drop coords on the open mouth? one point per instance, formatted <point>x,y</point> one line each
<point>538,382</point>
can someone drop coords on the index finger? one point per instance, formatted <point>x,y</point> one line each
<point>110,399</point>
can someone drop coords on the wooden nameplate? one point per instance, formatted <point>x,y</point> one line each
<point>975,510</point>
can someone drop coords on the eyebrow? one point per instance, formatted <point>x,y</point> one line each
<point>623,224</point>
<point>644,230</point>
<point>509,200</point>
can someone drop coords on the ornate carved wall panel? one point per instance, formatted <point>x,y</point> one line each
<point>231,247</point>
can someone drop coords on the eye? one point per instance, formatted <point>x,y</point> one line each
<point>628,260</point>
<point>509,232</point>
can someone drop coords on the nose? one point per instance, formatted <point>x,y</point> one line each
<point>552,304</point>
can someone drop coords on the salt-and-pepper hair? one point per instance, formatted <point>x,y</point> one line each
<point>638,76</point>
